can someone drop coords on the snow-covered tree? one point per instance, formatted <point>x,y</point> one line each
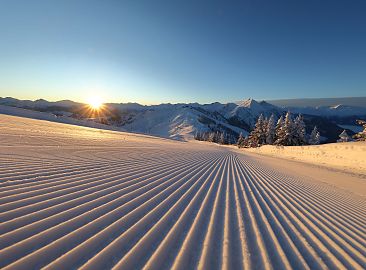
<point>258,135</point>
<point>344,137</point>
<point>286,133</point>
<point>204,136</point>
<point>314,136</point>
<point>197,136</point>
<point>299,130</point>
<point>291,133</point>
<point>240,140</point>
<point>222,139</point>
<point>211,137</point>
<point>361,136</point>
<point>270,130</point>
<point>265,125</point>
<point>217,137</point>
<point>279,131</point>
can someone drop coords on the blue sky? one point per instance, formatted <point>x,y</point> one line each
<point>182,51</point>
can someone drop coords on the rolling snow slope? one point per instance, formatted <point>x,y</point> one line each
<point>350,156</point>
<point>76,197</point>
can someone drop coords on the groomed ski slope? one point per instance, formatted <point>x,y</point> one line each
<point>75,197</point>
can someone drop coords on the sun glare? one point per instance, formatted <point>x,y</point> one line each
<point>95,102</point>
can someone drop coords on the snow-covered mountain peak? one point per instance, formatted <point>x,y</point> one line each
<point>340,107</point>
<point>248,103</point>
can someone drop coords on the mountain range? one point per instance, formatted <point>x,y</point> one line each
<point>182,121</point>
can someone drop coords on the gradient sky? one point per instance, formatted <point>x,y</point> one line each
<point>182,51</point>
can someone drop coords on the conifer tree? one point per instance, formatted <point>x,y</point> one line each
<point>286,132</point>
<point>197,136</point>
<point>270,130</point>
<point>264,129</point>
<point>217,137</point>
<point>211,137</point>
<point>290,137</point>
<point>314,136</point>
<point>299,130</point>
<point>222,138</point>
<point>280,132</point>
<point>246,142</point>
<point>258,135</point>
<point>240,140</point>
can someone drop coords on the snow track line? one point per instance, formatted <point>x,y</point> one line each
<point>92,200</point>
<point>320,211</point>
<point>103,181</point>
<point>62,181</point>
<point>81,205</point>
<point>11,251</point>
<point>334,251</point>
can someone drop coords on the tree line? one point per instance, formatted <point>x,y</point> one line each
<point>286,131</point>
<point>219,137</point>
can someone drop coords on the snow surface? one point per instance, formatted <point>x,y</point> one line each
<point>77,197</point>
<point>348,156</point>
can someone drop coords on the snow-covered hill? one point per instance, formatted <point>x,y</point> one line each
<point>344,156</point>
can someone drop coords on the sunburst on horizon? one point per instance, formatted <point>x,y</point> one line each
<point>95,102</point>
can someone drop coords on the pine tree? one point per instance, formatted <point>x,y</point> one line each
<point>314,136</point>
<point>299,129</point>
<point>197,136</point>
<point>286,133</point>
<point>217,137</point>
<point>222,138</point>
<point>211,137</point>
<point>290,137</point>
<point>280,132</point>
<point>202,136</point>
<point>317,137</point>
<point>240,140</point>
<point>262,128</point>
<point>245,142</point>
<point>258,135</point>
<point>270,130</point>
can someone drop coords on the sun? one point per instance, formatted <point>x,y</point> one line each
<point>95,102</point>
